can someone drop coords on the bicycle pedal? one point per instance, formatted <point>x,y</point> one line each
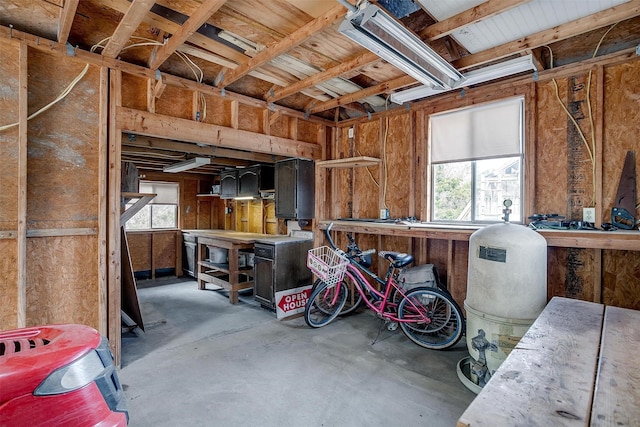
<point>392,326</point>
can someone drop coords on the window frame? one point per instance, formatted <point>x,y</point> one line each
<point>151,204</point>
<point>431,190</point>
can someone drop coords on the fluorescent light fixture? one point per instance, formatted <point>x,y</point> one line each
<point>372,28</point>
<point>244,198</point>
<point>492,72</point>
<point>196,162</point>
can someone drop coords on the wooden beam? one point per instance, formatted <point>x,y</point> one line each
<point>467,17</point>
<point>23,78</point>
<point>226,77</point>
<point>65,232</point>
<point>171,27</point>
<point>151,96</point>
<point>114,274</point>
<point>141,141</point>
<point>128,24</point>
<point>561,32</point>
<point>191,25</point>
<point>103,207</point>
<point>144,123</point>
<point>170,156</point>
<point>358,61</point>
<point>432,32</point>
<point>65,20</point>
<point>51,47</point>
<point>364,93</point>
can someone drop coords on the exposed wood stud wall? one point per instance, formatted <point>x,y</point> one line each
<point>589,274</point>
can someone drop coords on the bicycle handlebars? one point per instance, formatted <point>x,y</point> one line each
<point>360,253</point>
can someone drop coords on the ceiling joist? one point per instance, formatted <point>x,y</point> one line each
<point>195,21</point>
<point>67,13</point>
<point>128,24</point>
<point>226,77</point>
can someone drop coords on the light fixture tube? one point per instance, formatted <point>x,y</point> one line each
<point>195,162</point>
<point>482,75</point>
<point>378,32</point>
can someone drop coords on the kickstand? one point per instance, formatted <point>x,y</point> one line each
<point>382,323</point>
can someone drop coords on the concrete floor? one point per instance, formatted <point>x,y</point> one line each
<point>205,362</point>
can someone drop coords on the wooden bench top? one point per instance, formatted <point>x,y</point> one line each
<point>573,367</point>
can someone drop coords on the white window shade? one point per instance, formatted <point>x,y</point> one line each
<point>479,132</point>
<point>167,192</point>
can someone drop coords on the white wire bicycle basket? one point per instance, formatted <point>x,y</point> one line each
<point>329,265</point>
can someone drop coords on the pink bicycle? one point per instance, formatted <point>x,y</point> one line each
<point>428,316</point>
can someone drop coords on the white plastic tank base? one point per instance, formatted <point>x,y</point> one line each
<point>502,332</point>
<point>506,286</point>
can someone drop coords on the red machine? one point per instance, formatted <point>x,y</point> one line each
<point>59,375</point>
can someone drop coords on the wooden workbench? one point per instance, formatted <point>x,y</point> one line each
<point>589,239</point>
<point>234,242</point>
<point>576,366</point>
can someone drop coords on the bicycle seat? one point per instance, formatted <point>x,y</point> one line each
<point>398,259</point>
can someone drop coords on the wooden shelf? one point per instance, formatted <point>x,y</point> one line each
<point>585,239</point>
<point>350,162</point>
<point>247,271</point>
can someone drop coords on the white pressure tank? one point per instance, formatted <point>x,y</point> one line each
<point>506,291</point>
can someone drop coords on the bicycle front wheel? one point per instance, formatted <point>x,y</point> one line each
<point>430,318</point>
<point>325,304</point>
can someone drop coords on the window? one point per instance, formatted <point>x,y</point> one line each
<point>476,161</point>
<point>161,212</point>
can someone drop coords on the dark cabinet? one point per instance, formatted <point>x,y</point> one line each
<point>189,249</point>
<point>228,184</point>
<point>254,179</point>
<point>295,189</point>
<point>279,266</point>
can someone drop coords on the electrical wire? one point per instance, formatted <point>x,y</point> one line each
<point>590,148</point>
<point>193,67</point>
<point>197,72</point>
<point>59,98</point>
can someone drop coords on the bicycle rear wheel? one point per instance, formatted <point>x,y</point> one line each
<point>432,319</point>
<point>325,304</point>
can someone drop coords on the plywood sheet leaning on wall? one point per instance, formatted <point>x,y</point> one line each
<point>620,269</point>
<point>9,153</point>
